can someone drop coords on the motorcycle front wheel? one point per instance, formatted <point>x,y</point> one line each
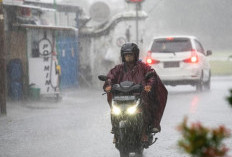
<point>124,154</point>
<point>139,153</point>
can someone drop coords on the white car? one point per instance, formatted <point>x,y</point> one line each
<point>180,60</point>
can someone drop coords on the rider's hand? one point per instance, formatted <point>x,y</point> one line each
<point>108,89</point>
<point>147,88</point>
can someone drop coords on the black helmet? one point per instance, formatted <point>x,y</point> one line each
<point>130,48</point>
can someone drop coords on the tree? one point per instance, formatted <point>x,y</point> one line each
<point>200,141</point>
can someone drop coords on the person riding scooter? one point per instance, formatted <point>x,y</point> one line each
<point>155,93</point>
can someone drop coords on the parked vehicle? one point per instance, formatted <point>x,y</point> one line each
<point>127,118</point>
<point>180,60</point>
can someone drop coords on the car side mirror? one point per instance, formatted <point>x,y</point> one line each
<point>102,77</point>
<point>209,52</point>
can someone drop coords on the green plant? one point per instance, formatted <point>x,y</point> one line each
<point>230,98</point>
<point>200,141</point>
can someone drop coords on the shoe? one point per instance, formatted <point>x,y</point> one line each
<point>144,138</point>
<point>155,130</point>
<point>112,131</point>
<point>114,140</point>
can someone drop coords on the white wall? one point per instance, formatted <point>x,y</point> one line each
<point>41,69</point>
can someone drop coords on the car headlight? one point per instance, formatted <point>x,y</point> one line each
<point>132,110</point>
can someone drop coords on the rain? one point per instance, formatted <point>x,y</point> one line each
<point>52,102</point>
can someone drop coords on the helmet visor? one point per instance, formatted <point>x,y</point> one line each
<point>127,52</point>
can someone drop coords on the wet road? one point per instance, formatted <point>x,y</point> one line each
<point>79,125</point>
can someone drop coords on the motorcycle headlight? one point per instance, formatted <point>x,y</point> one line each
<point>115,109</point>
<point>132,110</point>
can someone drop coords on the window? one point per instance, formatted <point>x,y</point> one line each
<point>199,47</point>
<point>171,45</point>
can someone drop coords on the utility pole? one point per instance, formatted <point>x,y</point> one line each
<point>2,64</point>
<point>137,8</point>
<point>137,23</point>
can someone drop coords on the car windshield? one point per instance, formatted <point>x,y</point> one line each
<point>171,45</point>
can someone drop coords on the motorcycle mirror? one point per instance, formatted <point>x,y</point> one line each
<point>102,77</point>
<point>149,75</point>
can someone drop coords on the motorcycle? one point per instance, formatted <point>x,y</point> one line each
<point>127,117</point>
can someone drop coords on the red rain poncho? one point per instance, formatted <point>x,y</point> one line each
<point>155,100</point>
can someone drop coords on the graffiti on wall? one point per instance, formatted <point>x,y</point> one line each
<point>45,50</point>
